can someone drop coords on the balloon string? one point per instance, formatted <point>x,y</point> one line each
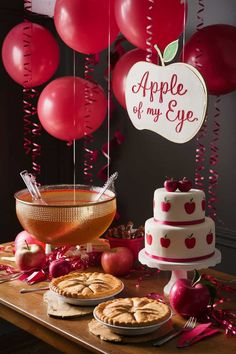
<point>213,175</point>
<point>149,31</point>
<point>31,128</point>
<point>90,155</point>
<point>200,155</point>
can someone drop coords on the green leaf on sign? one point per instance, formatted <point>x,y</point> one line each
<point>170,51</point>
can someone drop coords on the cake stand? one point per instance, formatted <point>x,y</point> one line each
<point>179,270</point>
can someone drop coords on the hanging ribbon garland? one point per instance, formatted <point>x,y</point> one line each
<point>90,155</point>
<point>200,156</point>
<point>213,174</point>
<point>32,128</point>
<point>149,31</point>
<point>117,140</point>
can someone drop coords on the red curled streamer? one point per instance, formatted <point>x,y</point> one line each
<point>213,175</point>
<point>223,318</point>
<point>90,155</point>
<point>149,31</point>
<point>200,156</point>
<point>118,139</point>
<point>32,129</point>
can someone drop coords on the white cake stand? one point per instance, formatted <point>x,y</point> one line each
<point>179,270</point>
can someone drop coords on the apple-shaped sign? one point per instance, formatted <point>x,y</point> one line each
<point>169,100</point>
<point>188,299</point>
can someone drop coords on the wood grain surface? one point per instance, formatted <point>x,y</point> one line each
<point>29,312</point>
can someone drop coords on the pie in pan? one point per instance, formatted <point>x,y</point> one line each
<point>132,312</point>
<point>86,285</point>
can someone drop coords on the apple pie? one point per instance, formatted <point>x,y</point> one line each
<point>132,312</point>
<point>86,285</point>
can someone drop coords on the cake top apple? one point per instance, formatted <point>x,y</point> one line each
<point>183,185</point>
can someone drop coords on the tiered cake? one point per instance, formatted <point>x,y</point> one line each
<point>179,230</point>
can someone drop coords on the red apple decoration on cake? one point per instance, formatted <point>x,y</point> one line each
<point>23,237</point>
<point>189,299</point>
<point>59,267</point>
<point>117,261</point>
<point>190,241</point>
<point>149,239</point>
<point>165,206</point>
<point>165,242</point>
<point>30,257</point>
<point>190,206</point>
<point>209,238</point>
<point>171,185</point>
<point>184,185</point>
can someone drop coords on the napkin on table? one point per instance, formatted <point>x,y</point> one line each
<point>195,335</point>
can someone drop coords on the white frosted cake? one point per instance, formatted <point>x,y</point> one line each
<point>179,230</point>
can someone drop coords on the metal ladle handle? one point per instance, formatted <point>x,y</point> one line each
<point>108,183</point>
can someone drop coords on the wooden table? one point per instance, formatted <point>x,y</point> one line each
<point>28,311</point>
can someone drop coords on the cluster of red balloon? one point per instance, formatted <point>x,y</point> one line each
<point>168,17</point>
<point>85,26</point>
<point>30,55</point>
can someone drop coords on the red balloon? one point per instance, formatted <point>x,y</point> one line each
<point>30,54</point>
<point>167,21</point>
<point>212,51</point>
<point>121,70</point>
<point>69,107</point>
<point>87,25</point>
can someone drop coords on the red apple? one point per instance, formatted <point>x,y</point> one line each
<point>165,242</point>
<point>117,261</point>
<point>209,238</point>
<point>171,185</point>
<point>25,236</point>
<point>190,241</point>
<point>185,185</point>
<point>165,206</point>
<point>59,267</point>
<point>187,299</point>
<point>30,257</point>
<point>149,239</point>
<point>190,206</point>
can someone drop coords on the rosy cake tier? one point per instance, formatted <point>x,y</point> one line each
<point>180,243</point>
<point>179,208</point>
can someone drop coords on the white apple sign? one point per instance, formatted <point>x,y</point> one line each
<point>169,100</point>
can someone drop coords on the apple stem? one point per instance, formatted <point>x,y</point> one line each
<point>27,245</point>
<point>159,54</point>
